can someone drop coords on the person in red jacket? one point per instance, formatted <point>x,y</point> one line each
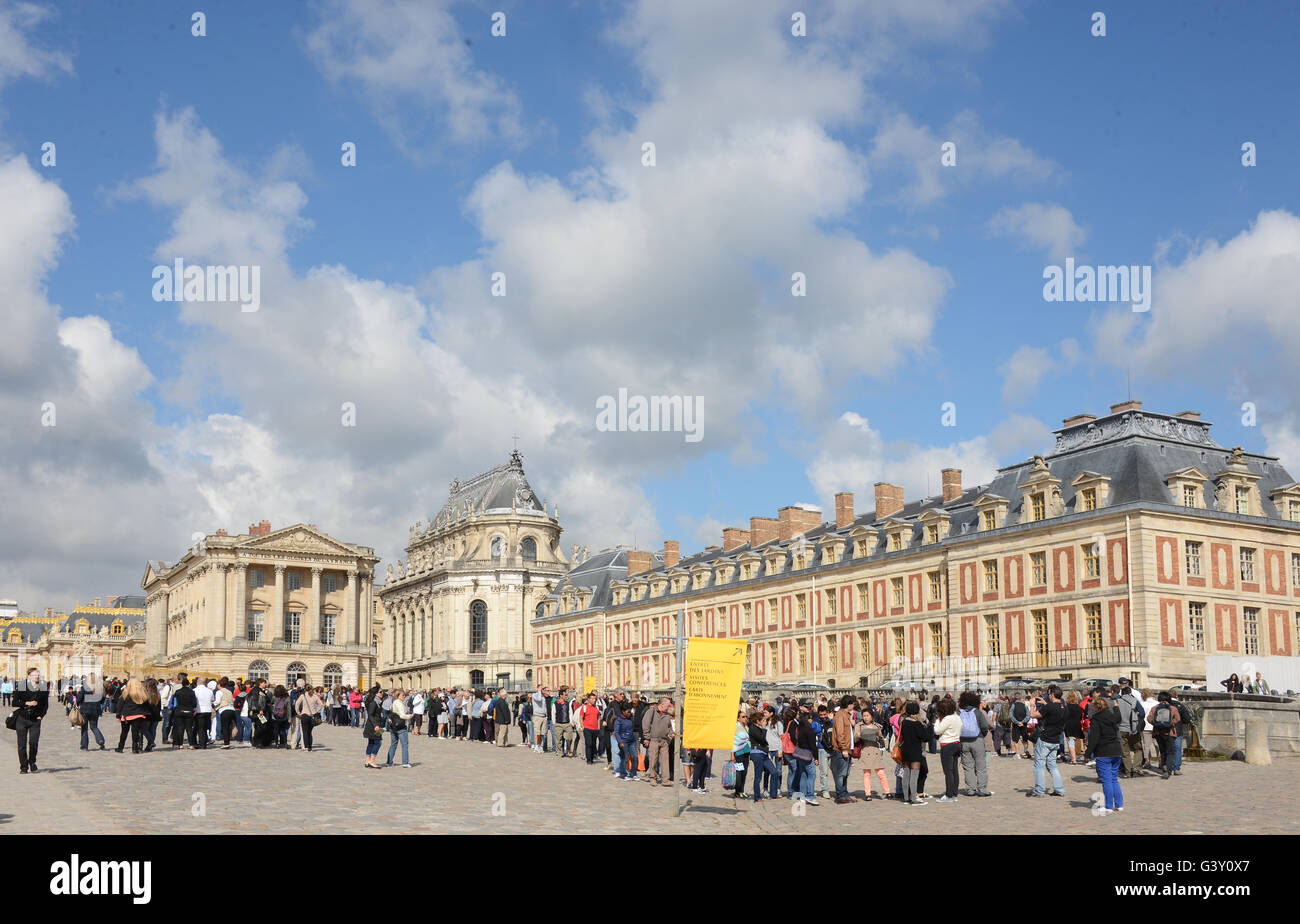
<point>590,715</point>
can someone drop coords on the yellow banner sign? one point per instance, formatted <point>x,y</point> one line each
<point>588,685</point>
<point>714,669</point>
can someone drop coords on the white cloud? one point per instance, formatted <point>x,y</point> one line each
<point>20,56</point>
<point>1029,365</point>
<point>1040,225</point>
<point>411,62</point>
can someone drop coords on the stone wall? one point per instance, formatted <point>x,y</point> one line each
<point>1221,722</point>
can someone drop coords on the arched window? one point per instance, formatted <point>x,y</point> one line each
<point>15,635</point>
<point>83,627</point>
<point>332,676</point>
<point>540,611</point>
<point>475,678</point>
<point>528,549</point>
<point>118,628</point>
<point>478,626</point>
<point>296,670</point>
<point>258,670</point>
<point>498,547</point>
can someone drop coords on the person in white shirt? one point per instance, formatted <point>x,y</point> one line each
<point>165,690</point>
<point>203,714</point>
<point>417,711</point>
<point>1150,751</point>
<point>223,704</point>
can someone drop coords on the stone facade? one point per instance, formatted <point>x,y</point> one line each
<point>106,640</point>
<point>285,603</point>
<point>1090,561</point>
<point>457,610</point>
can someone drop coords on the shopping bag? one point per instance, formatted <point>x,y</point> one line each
<point>729,775</point>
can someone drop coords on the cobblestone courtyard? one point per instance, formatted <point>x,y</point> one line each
<point>454,787</point>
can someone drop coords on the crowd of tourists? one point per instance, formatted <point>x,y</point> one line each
<point>784,748</point>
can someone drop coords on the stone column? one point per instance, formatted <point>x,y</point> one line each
<point>347,633</point>
<point>217,621</point>
<point>313,630</point>
<point>241,602</point>
<point>156,628</point>
<point>277,606</point>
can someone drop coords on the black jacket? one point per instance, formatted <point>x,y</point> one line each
<point>41,696</point>
<point>1103,735</point>
<point>185,699</point>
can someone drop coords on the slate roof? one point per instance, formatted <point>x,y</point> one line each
<point>1136,450</point>
<point>498,488</point>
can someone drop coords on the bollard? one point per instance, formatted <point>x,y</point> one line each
<point>1257,743</point>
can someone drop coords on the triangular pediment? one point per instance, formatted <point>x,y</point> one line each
<point>300,538</point>
<point>1189,474</point>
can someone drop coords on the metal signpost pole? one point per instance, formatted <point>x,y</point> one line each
<point>680,639</point>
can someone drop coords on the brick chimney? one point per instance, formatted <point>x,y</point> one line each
<point>1189,415</point>
<point>733,537</point>
<point>889,499</point>
<point>638,562</point>
<point>221,532</point>
<point>951,484</point>
<point>763,530</point>
<point>843,509</point>
<point>1078,420</point>
<point>260,529</point>
<point>1123,406</point>
<point>672,553</point>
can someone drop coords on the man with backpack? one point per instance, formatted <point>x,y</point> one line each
<point>1019,728</point>
<point>1002,726</point>
<point>974,729</point>
<point>1132,720</point>
<point>1050,713</point>
<point>1164,719</point>
<point>1180,731</point>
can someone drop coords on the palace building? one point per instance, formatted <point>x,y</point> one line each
<point>1135,547</point>
<point>280,604</point>
<point>457,611</point>
<point>104,637</point>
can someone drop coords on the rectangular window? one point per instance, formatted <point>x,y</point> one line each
<point>1189,495</point>
<point>256,625</point>
<point>862,593</point>
<point>990,519</point>
<point>864,649</point>
<point>1193,559</point>
<point>900,645</point>
<point>1295,568</point>
<point>1089,498</point>
<point>749,615</point>
<point>618,636</point>
<point>1196,626</point>
<point>295,580</point>
<point>895,541</point>
<point>802,602</point>
<point>803,656</point>
<point>292,627</point>
<point>327,632</point>
<point>1250,630</point>
<point>1092,560</point>
<point>773,657</point>
<point>255,578</point>
<point>1038,568</point>
<point>699,622</point>
<point>1243,500</point>
<point>936,640</point>
<point>830,603</point>
<point>932,534</point>
<point>936,587</point>
<point>991,575</point>
<point>1092,618</point>
<point>773,611</point>
<point>1040,631</point>
<point>993,636</point>
<point>832,655</point>
<point>1248,565</point>
<point>1293,511</point>
<point>1040,506</point>
<point>896,589</point>
<point>329,583</point>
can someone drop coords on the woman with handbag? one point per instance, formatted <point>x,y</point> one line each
<point>740,748</point>
<point>868,737</point>
<point>309,708</point>
<point>758,756</point>
<point>804,756</point>
<point>372,727</point>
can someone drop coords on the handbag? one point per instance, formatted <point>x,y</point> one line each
<point>11,722</point>
<point>729,775</point>
<point>75,718</point>
<point>787,744</point>
<point>374,732</point>
<point>897,753</point>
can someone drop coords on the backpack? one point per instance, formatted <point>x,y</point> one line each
<point>279,709</point>
<point>1004,714</point>
<point>1163,717</point>
<point>1130,716</point>
<point>970,723</point>
<point>827,736</point>
<point>1019,712</point>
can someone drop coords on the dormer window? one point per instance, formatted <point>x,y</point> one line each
<point>1039,503</point>
<point>1243,500</point>
<point>932,533</point>
<point>1189,496</point>
<point>1089,498</point>
<point>990,520</point>
<point>83,627</point>
<point>118,628</point>
<point>895,542</point>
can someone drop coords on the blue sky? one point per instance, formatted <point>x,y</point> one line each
<point>478,153</point>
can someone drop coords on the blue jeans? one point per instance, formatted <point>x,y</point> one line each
<point>91,727</point>
<point>1108,770</point>
<point>841,774</point>
<point>372,746</point>
<point>823,771</point>
<point>1176,753</point>
<point>804,778</point>
<point>245,728</point>
<point>627,758</point>
<point>1045,757</point>
<point>761,765</point>
<point>392,746</point>
<point>354,716</point>
<point>166,724</point>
